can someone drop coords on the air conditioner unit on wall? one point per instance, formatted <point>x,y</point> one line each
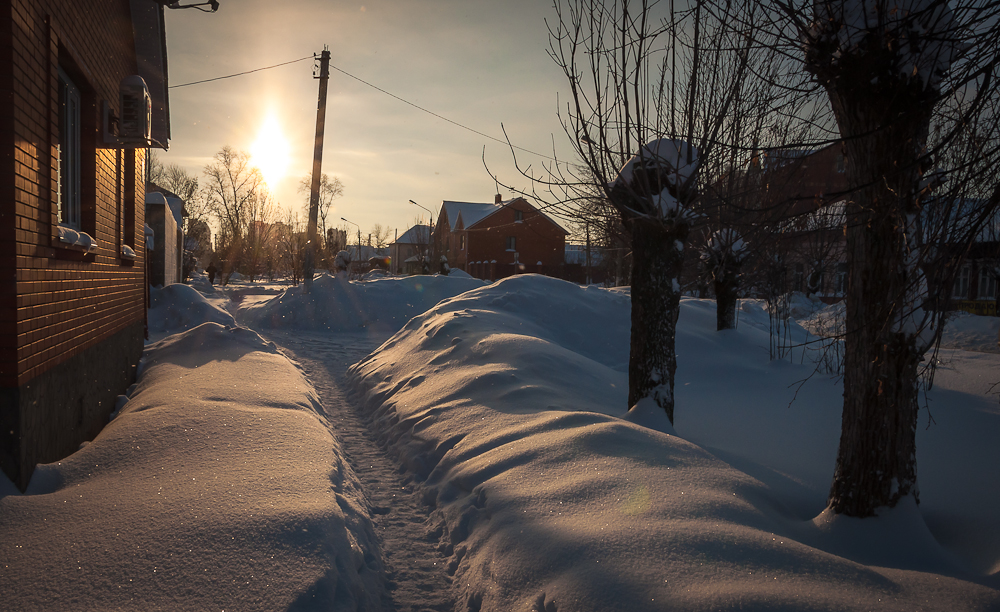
<point>136,112</point>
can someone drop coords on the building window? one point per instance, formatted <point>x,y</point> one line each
<point>840,162</point>
<point>511,243</point>
<point>68,153</point>
<point>798,276</point>
<point>518,216</point>
<point>840,283</point>
<point>461,242</point>
<point>987,284</point>
<point>960,290</point>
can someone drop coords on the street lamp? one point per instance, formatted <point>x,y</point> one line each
<point>428,212</point>
<point>359,235</point>
<point>213,5</point>
<point>430,237</point>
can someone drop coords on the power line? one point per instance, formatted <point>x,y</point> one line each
<point>229,76</point>
<point>377,88</point>
<point>429,112</point>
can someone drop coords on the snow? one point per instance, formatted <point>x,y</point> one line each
<point>676,156</point>
<point>727,242</point>
<point>220,485</point>
<point>924,28</point>
<point>76,238</point>
<point>216,487</point>
<point>381,306</point>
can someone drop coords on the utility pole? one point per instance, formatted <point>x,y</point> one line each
<point>313,239</point>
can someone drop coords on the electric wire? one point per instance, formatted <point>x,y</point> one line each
<point>229,76</point>
<point>377,88</point>
<point>429,112</point>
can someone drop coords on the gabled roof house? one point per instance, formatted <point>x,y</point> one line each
<point>499,239</point>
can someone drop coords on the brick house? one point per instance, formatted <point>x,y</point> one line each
<point>72,216</point>
<point>491,241</point>
<point>803,195</point>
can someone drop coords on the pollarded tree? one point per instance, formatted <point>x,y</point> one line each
<point>657,93</point>
<point>723,257</point>
<point>906,80</point>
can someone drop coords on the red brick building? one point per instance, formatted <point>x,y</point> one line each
<point>72,250</point>
<point>491,241</point>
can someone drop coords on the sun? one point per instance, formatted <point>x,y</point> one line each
<point>269,153</point>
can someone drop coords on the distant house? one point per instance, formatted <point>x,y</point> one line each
<point>165,216</point>
<point>802,196</point>
<point>72,236</point>
<point>408,251</point>
<point>491,241</point>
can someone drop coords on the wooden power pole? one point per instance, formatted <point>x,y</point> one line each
<point>309,261</point>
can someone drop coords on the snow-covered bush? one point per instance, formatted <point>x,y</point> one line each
<point>342,262</point>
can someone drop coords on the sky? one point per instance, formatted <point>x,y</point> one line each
<point>478,63</point>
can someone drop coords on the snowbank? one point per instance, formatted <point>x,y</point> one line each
<point>505,402</point>
<point>217,487</point>
<point>379,306</point>
<point>178,307</point>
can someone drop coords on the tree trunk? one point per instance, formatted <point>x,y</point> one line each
<point>656,269</point>
<point>884,127</point>
<point>726,285</point>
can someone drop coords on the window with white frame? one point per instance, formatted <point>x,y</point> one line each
<point>68,153</point>
<point>987,283</point>
<point>511,243</point>
<point>960,290</point>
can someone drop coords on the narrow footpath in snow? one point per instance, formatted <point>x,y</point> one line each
<point>415,569</point>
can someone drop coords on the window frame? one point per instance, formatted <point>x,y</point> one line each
<point>986,280</point>
<point>963,278</point>
<point>69,151</point>
<point>511,243</point>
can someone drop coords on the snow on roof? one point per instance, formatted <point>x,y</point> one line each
<point>418,234</point>
<point>471,212</point>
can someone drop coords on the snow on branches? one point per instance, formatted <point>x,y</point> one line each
<point>916,38</point>
<point>725,245</point>
<point>660,179</point>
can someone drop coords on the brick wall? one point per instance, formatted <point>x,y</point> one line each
<point>63,301</point>
<point>536,238</point>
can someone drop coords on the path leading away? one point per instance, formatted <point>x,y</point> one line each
<point>415,569</point>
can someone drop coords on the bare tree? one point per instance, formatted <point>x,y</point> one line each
<point>653,90</point>
<point>380,235</point>
<point>260,246</point>
<point>912,86</point>
<point>231,191</point>
<point>329,190</point>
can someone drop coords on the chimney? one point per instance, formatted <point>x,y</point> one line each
<point>498,200</point>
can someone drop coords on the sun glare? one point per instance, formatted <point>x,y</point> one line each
<point>269,152</point>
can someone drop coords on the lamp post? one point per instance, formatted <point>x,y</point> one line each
<point>359,235</point>
<point>430,237</point>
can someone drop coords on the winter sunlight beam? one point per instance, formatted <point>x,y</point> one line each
<point>269,152</point>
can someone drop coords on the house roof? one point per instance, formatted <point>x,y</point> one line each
<point>470,212</point>
<point>418,234</point>
<point>150,38</point>
<point>174,201</point>
<point>473,213</point>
